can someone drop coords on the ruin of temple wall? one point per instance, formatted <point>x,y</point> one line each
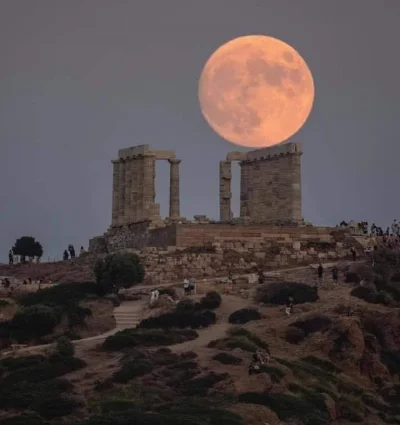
<point>271,186</point>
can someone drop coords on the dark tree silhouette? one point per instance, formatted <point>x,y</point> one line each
<point>27,246</point>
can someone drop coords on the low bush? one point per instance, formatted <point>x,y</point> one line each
<point>30,322</point>
<point>14,363</point>
<point>294,335</point>
<point>239,338</point>
<point>313,323</point>
<point>109,406</point>
<point>65,347</point>
<point>147,338</point>
<point>25,419</point>
<point>171,292</point>
<point>275,373</point>
<point>279,293</point>
<point>131,370</point>
<point>56,407</point>
<point>114,298</point>
<point>63,294</point>
<point>227,358</point>
<point>322,364</point>
<point>244,315</point>
<point>180,318</point>
<point>289,407</point>
<point>210,301</point>
<point>200,386</point>
<point>391,359</point>
<point>371,295</point>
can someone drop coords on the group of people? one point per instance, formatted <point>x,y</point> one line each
<point>69,253</point>
<point>334,271</point>
<point>260,357</point>
<point>364,228</point>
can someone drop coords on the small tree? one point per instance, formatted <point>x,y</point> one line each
<point>27,246</point>
<point>119,270</point>
<point>65,347</point>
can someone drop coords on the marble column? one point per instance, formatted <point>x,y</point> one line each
<point>244,188</point>
<point>149,187</point>
<point>174,189</point>
<point>225,194</point>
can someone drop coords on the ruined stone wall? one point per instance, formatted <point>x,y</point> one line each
<point>205,234</point>
<point>271,184</point>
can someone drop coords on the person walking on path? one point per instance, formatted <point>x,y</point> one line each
<point>320,271</point>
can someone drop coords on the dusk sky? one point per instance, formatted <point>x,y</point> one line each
<point>80,79</point>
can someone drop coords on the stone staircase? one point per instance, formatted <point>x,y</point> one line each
<point>126,316</point>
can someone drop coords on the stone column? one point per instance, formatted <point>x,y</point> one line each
<point>174,191</point>
<point>117,168</point>
<point>244,188</point>
<point>149,187</point>
<point>128,190</point>
<point>225,194</point>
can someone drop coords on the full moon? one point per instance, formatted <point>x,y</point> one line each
<point>256,91</point>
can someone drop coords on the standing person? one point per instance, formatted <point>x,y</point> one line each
<point>289,306</point>
<point>65,255</point>
<point>186,286</point>
<point>71,250</point>
<point>10,257</point>
<point>335,274</point>
<point>320,271</point>
<point>192,286</point>
<point>354,253</point>
<point>81,251</point>
<point>260,277</point>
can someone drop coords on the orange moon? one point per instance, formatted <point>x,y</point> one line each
<point>256,91</point>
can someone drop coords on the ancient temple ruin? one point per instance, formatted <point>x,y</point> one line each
<point>270,201</point>
<point>270,185</point>
<point>134,190</point>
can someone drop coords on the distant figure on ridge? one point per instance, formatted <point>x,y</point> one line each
<point>186,286</point>
<point>354,253</point>
<point>71,250</point>
<point>65,255</point>
<point>260,277</point>
<point>10,258</point>
<point>320,271</point>
<point>335,273</point>
<point>82,250</point>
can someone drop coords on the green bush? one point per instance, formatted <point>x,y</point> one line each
<point>147,338</point>
<point>279,293</point>
<point>109,406</point>
<point>171,292</point>
<point>313,323</point>
<point>186,304</point>
<point>244,315</point>
<point>391,359</point>
<point>370,294</point>
<point>239,338</point>
<point>322,364</point>
<point>114,298</point>
<point>132,370</point>
<point>14,363</point>
<point>120,270</point>
<point>227,358</point>
<point>180,318</point>
<point>289,407</point>
<point>25,419</point>
<point>210,301</point>
<point>200,386</point>
<point>275,373</point>
<point>56,407</point>
<point>65,347</point>
<point>294,335</point>
<point>30,322</point>
<point>64,294</point>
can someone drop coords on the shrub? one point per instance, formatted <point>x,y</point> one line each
<point>114,298</point>
<point>147,338</point>
<point>369,294</point>
<point>294,335</point>
<point>171,292</point>
<point>31,322</point>
<point>275,373</point>
<point>244,315</point>
<point>132,370</point>
<point>279,292</point>
<point>242,332</point>
<point>227,358</point>
<point>120,270</point>
<point>201,385</point>
<point>14,363</point>
<point>180,318</point>
<point>391,359</point>
<point>211,301</point>
<point>56,407</point>
<point>239,338</point>
<point>64,294</point>
<point>186,304</point>
<point>65,347</point>
<point>289,407</point>
<point>313,323</point>
<point>25,419</point>
<point>322,364</point>
<point>110,406</point>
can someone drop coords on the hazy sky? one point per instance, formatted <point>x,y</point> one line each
<point>80,79</point>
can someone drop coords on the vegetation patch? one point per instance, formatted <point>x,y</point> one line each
<point>313,323</point>
<point>289,407</point>
<point>276,374</point>
<point>244,315</point>
<point>391,359</point>
<point>239,338</point>
<point>371,295</point>
<point>136,337</point>
<point>131,370</point>
<point>280,292</point>
<point>322,364</point>
<point>294,335</point>
<point>228,358</point>
<point>180,318</point>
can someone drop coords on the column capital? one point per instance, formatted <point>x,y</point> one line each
<point>174,161</point>
<point>117,161</point>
